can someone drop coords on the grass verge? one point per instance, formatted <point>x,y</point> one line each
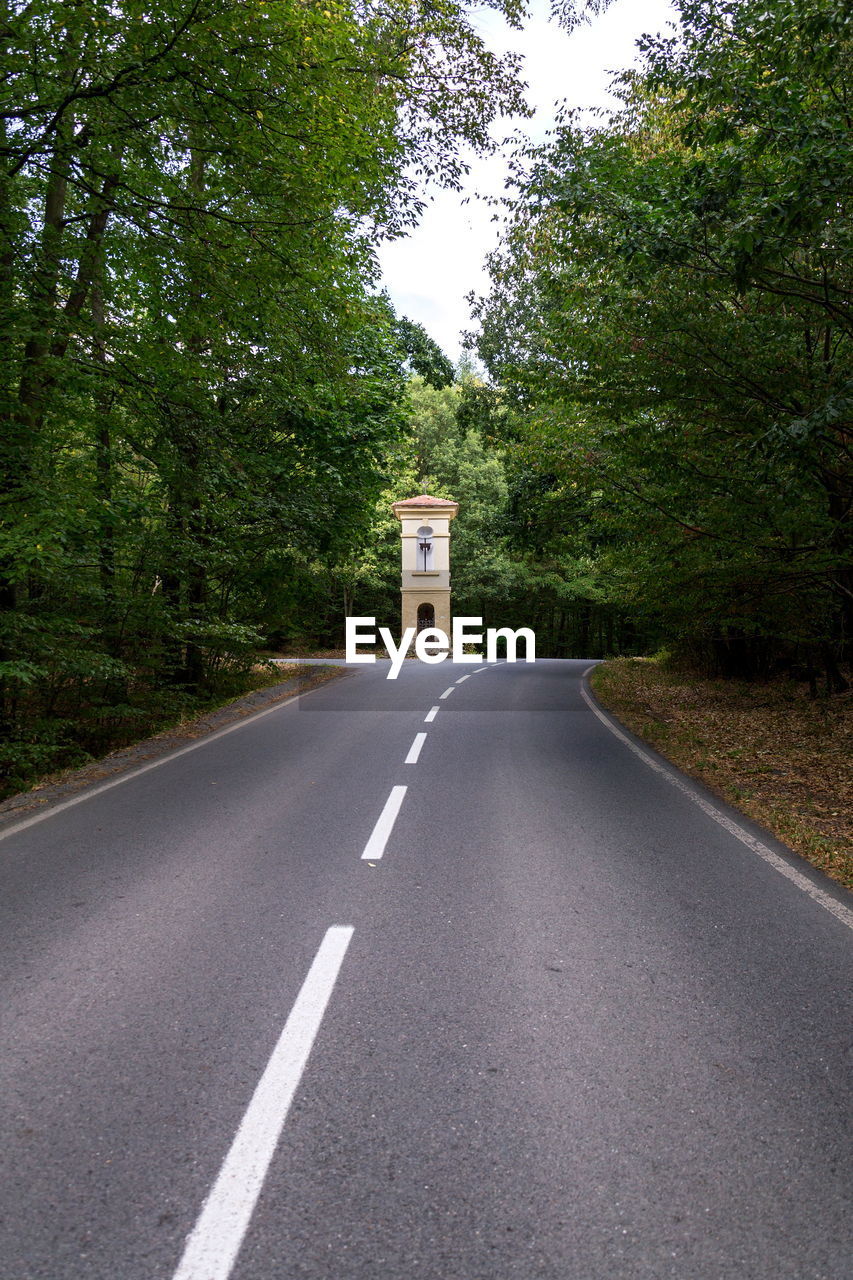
<point>781,757</point>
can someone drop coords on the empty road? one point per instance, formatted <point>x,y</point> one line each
<point>439,977</point>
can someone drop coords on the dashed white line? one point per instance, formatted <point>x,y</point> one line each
<point>431,714</point>
<point>415,749</point>
<point>463,678</point>
<point>375,846</point>
<point>212,1246</point>
<point>477,670</point>
<point>842,913</point>
<point>446,693</point>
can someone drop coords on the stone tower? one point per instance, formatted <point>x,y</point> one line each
<point>425,548</point>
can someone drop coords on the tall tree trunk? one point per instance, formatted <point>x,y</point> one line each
<point>192,434</point>
<point>43,311</point>
<point>103,456</point>
<point>23,409</point>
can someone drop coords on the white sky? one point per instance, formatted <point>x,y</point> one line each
<point>429,272</point>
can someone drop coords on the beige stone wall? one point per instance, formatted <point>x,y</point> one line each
<point>438,598</point>
<point>425,580</point>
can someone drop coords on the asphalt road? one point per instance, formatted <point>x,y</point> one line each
<point>565,1022</point>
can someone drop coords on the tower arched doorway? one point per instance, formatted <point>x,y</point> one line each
<point>426,616</point>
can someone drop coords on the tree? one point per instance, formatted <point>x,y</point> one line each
<point>424,356</point>
<point>670,312</point>
<point>200,376</point>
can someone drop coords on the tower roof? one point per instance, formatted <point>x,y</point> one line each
<point>424,500</point>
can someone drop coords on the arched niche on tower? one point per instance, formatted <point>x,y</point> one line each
<point>425,616</point>
<point>426,548</point>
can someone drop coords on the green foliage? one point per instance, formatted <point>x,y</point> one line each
<point>461,446</point>
<point>203,389</point>
<point>670,314</point>
<point>424,356</point>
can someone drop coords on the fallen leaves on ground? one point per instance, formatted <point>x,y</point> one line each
<point>781,757</point>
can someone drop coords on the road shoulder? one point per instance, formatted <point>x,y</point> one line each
<point>769,754</point>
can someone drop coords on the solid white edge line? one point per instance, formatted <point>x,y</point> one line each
<point>415,749</point>
<point>463,678</point>
<point>446,693</point>
<point>431,714</point>
<point>213,1244</point>
<point>90,793</point>
<point>837,909</point>
<point>375,846</point>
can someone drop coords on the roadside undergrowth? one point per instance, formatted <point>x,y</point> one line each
<point>779,756</point>
<point>90,745</point>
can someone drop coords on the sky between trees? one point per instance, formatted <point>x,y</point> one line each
<point>429,272</point>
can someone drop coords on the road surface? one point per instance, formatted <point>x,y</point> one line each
<point>320,998</point>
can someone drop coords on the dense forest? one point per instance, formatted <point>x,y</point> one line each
<point>670,322</point>
<point>209,404</point>
<point>203,383</point>
<point>515,560</point>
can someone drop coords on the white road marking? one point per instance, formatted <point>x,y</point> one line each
<point>415,749</point>
<point>431,714</point>
<point>375,846</point>
<point>91,792</point>
<point>477,670</point>
<point>212,1246</point>
<point>463,678</point>
<point>842,913</point>
<point>446,693</point>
